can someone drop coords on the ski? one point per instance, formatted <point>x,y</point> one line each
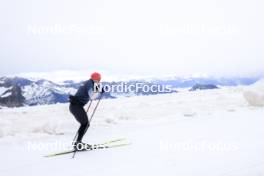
<point>99,146</point>
<point>105,145</point>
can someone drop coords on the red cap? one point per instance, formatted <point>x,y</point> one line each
<point>96,76</point>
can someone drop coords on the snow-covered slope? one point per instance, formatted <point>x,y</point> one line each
<point>203,133</point>
<point>35,91</point>
<point>3,90</point>
<point>255,94</point>
<point>45,92</point>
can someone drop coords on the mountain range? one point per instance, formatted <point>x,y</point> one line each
<point>20,91</point>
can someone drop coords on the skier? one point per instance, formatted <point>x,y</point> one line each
<point>77,103</point>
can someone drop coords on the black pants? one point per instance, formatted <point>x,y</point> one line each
<point>81,116</point>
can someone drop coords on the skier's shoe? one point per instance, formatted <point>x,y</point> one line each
<point>81,146</point>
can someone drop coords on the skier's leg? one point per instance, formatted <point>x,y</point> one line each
<point>81,116</point>
<point>82,131</point>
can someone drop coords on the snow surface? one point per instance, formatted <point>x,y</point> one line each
<point>6,94</point>
<point>3,90</point>
<point>255,94</point>
<point>202,133</point>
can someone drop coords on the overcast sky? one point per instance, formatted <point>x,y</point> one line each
<point>213,37</point>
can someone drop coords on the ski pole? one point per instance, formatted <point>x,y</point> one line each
<point>95,109</point>
<point>89,106</point>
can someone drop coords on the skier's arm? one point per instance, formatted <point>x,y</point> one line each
<point>94,91</point>
<point>90,85</point>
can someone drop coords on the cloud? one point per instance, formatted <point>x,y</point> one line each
<point>181,37</point>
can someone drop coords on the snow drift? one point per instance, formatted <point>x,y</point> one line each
<point>254,94</point>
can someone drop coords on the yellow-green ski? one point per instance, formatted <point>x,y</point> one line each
<point>108,144</point>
